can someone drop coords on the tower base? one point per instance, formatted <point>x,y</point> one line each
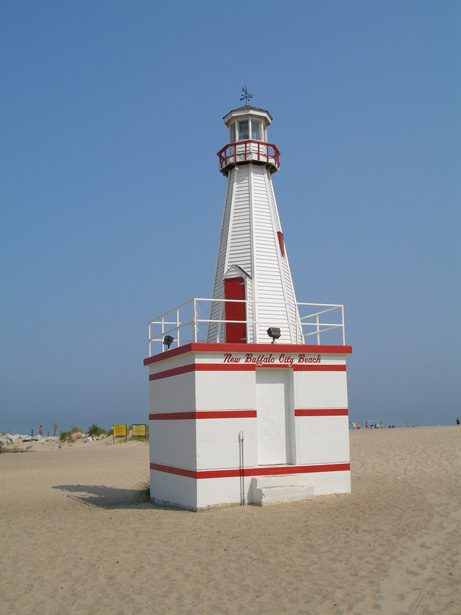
<point>247,423</point>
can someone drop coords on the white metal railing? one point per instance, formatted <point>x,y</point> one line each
<point>185,324</point>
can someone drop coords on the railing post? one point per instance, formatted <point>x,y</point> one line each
<point>317,322</point>
<point>195,320</point>
<point>163,332</point>
<point>344,325</point>
<point>149,339</point>
<point>298,325</point>
<point>220,324</point>
<point>177,327</point>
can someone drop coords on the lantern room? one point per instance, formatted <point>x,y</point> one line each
<point>247,123</point>
<point>248,140</point>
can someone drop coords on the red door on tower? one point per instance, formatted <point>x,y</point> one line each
<point>236,332</point>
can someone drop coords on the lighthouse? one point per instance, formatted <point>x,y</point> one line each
<point>248,388</point>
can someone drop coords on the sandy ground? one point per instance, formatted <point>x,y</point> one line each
<point>74,538</point>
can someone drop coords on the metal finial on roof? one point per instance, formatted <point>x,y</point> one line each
<point>246,96</point>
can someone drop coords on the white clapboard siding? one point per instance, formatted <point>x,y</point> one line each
<point>249,241</point>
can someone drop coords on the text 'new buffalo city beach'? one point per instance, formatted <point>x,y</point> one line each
<point>262,359</point>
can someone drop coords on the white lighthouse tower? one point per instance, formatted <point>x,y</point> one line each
<point>252,262</point>
<point>248,388</point>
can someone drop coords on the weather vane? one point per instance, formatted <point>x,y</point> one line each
<point>246,96</point>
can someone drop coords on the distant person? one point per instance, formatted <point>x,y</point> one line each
<point>458,420</point>
<point>40,430</point>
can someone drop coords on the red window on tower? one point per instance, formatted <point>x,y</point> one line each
<point>236,332</point>
<point>281,242</point>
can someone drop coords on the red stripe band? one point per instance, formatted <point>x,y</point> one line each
<point>285,348</point>
<point>232,414</point>
<point>223,367</point>
<point>319,368</point>
<point>173,372</point>
<point>259,471</point>
<point>322,412</point>
<point>208,414</point>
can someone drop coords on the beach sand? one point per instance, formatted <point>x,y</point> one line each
<point>75,539</point>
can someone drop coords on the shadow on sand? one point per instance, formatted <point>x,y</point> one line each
<point>108,497</point>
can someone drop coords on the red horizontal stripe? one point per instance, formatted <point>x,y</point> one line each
<point>172,470</point>
<point>237,367</point>
<point>322,412</point>
<point>175,371</point>
<point>319,368</point>
<point>204,414</point>
<point>259,471</point>
<point>293,348</point>
<point>224,367</point>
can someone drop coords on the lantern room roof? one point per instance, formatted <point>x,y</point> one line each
<point>248,110</point>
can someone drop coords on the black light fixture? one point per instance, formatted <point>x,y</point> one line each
<point>167,341</point>
<point>274,333</point>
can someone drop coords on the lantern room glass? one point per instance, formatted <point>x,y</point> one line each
<point>256,130</point>
<point>244,130</point>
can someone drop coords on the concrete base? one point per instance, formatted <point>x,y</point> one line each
<point>277,489</point>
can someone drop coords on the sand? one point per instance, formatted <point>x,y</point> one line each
<point>76,539</point>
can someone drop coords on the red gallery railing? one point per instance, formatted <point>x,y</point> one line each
<point>249,151</point>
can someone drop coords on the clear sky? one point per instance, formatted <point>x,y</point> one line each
<point>111,199</point>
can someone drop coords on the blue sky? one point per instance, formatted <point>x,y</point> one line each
<point>111,199</point>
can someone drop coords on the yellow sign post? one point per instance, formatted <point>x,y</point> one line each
<point>119,431</point>
<point>139,430</point>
